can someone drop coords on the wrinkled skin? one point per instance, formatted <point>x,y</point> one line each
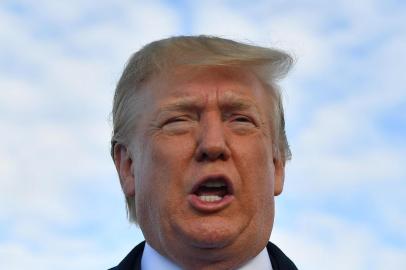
<point>196,123</point>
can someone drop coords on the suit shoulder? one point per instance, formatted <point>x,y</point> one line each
<point>278,259</point>
<point>132,260</point>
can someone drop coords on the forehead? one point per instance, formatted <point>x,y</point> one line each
<point>222,83</point>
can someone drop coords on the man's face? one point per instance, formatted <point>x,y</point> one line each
<point>203,166</point>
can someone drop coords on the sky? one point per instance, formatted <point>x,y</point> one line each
<point>343,204</point>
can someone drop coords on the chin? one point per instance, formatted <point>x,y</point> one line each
<point>209,232</point>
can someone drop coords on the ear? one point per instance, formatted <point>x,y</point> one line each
<point>279,176</point>
<point>124,166</point>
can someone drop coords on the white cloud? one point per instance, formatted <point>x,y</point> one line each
<point>316,240</point>
<point>48,246</point>
<point>125,31</point>
<point>62,254</point>
<point>217,18</point>
<point>18,96</point>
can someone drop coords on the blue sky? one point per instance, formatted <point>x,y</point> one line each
<point>344,203</point>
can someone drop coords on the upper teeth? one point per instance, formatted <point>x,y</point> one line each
<point>214,184</point>
<point>210,198</point>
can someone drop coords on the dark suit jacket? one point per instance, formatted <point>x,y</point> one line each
<point>278,259</point>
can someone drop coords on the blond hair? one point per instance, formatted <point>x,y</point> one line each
<point>268,64</point>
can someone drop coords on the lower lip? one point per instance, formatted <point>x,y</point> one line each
<point>209,207</point>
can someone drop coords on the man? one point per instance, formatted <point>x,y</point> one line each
<point>200,148</point>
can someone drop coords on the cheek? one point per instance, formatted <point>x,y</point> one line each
<point>262,185</point>
<point>170,159</point>
<point>164,163</point>
<point>255,166</point>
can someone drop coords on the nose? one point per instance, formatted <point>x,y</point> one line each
<point>212,143</point>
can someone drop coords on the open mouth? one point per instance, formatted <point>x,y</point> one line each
<point>212,193</point>
<point>212,190</point>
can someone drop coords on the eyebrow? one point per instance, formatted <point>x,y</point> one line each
<point>181,104</point>
<point>230,102</point>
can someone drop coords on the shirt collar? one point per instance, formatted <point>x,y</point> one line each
<point>152,260</point>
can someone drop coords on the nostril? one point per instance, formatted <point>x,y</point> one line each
<point>220,156</point>
<point>212,154</point>
<point>202,157</point>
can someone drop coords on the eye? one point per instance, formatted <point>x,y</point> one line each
<point>243,119</point>
<point>242,124</point>
<point>178,125</point>
<point>175,120</point>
